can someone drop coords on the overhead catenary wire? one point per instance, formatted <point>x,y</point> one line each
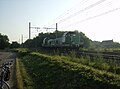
<point>101,4</point>
<point>93,17</point>
<point>80,11</point>
<point>72,9</point>
<point>62,16</point>
<point>102,8</point>
<point>83,2</point>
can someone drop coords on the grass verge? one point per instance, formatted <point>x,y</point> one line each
<point>23,79</point>
<point>49,72</point>
<point>18,75</point>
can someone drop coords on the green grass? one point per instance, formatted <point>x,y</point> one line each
<point>23,79</point>
<point>102,49</point>
<point>97,62</point>
<point>55,72</point>
<point>18,76</point>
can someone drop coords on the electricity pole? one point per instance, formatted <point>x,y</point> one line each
<point>30,29</point>
<point>51,28</point>
<point>56,26</point>
<point>56,31</point>
<point>39,28</point>
<point>21,38</point>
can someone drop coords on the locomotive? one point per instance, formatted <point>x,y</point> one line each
<point>67,39</point>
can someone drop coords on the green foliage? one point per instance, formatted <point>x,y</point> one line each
<point>28,44</point>
<point>23,79</point>
<point>37,41</point>
<point>21,52</point>
<point>106,44</point>
<point>98,63</point>
<point>85,40</point>
<point>55,72</point>
<point>105,66</point>
<point>15,44</point>
<point>72,54</point>
<point>4,41</point>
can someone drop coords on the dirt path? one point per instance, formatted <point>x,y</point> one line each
<point>7,57</point>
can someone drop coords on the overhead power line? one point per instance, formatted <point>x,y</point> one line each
<point>62,16</point>
<point>73,8</point>
<point>86,8</point>
<point>107,12</point>
<point>93,17</point>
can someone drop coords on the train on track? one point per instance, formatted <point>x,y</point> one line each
<point>66,39</point>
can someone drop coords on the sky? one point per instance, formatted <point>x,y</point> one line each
<point>98,19</point>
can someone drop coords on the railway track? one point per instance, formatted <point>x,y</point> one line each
<point>92,54</point>
<point>105,55</point>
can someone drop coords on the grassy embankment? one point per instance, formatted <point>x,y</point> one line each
<point>23,79</point>
<point>97,62</point>
<point>54,72</point>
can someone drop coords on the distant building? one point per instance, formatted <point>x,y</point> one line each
<point>107,43</point>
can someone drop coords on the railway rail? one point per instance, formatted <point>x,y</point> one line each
<point>105,55</point>
<point>65,51</point>
<point>91,54</point>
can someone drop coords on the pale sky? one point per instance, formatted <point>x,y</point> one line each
<point>98,19</point>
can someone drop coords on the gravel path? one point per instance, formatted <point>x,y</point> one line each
<point>7,57</point>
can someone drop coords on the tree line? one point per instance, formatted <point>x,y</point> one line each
<point>4,42</point>
<point>38,41</point>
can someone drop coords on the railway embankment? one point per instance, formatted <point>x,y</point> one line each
<point>59,72</point>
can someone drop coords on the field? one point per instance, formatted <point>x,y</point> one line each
<point>59,72</point>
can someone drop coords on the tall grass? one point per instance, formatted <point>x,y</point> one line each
<point>23,79</point>
<point>55,70</point>
<point>97,62</point>
<point>18,76</point>
<point>60,72</point>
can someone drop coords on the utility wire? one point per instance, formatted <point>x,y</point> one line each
<point>86,8</point>
<point>89,12</point>
<point>93,17</point>
<point>82,2</point>
<point>107,12</point>
<point>72,9</point>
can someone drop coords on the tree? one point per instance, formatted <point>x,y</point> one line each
<point>4,41</point>
<point>15,44</point>
<point>86,41</point>
<point>28,43</point>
